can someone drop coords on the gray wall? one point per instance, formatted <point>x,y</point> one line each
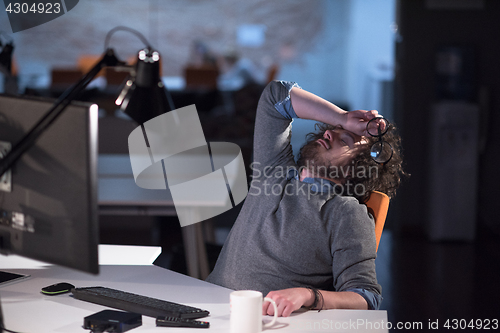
<point>335,48</point>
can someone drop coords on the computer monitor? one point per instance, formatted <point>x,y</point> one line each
<point>50,213</point>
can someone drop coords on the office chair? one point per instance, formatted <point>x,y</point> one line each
<point>113,77</point>
<point>377,205</point>
<point>86,61</point>
<point>204,77</point>
<point>62,78</point>
<point>272,72</point>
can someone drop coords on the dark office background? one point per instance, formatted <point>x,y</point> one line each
<point>423,278</point>
<point>450,279</point>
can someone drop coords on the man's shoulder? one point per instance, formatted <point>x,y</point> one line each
<point>278,91</point>
<point>344,205</point>
<point>343,200</point>
<point>346,213</point>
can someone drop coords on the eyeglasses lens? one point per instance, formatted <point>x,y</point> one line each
<point>377,126</point>
<point>381,152</point>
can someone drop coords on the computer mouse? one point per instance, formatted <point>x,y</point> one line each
<point>57,289</point>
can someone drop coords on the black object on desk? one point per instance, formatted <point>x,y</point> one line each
<point>112,321</point>
<point>144,305</point>
<point>8,277</point>
<point>57,289</point>
<point>180,322</point>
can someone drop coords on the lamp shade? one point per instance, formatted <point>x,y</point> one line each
<point>144,95</point>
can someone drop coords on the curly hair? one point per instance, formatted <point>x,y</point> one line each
<point>384,178</point>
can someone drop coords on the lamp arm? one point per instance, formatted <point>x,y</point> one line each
<point>108,59</point>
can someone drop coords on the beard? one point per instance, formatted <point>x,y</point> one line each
<point>311,159</point>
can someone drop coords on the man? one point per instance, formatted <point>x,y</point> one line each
<point>299,238</point>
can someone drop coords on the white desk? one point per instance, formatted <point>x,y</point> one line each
<point>108,255</point>
<point>119,195</point>
<point>25,309</point>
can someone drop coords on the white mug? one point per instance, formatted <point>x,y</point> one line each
<point>246,311</point>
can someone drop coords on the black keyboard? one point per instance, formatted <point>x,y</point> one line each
<point>144,305</point>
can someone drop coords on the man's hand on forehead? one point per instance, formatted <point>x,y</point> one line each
<point>355,121</point>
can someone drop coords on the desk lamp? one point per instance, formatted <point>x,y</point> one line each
<point>145,88</point>
<point>144,95</point>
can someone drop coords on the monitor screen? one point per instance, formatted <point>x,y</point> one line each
<point>48,207</point>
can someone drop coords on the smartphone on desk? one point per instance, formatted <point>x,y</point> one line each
<point>9,277</point>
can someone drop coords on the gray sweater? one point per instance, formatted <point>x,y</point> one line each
<point>288,235</point>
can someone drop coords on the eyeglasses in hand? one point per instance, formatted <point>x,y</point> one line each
<point>381,151</point>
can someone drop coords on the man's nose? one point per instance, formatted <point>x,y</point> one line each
<point>328,135</point>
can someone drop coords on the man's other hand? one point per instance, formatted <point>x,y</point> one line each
<point>287,301</point>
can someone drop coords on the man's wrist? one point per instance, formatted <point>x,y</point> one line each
<point>343,118</point>
<point>310,297</point>
<point>317,299</point>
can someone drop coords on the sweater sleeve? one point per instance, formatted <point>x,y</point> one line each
<point>354,250</point>
<point>373,300</point>
<point>273,128</point>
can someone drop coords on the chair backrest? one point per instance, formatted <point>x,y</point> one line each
<point>272,72</point>
<point>63,78</point>
<point>201,76</point>
<point>378,205</point>
<point>85,63</point>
